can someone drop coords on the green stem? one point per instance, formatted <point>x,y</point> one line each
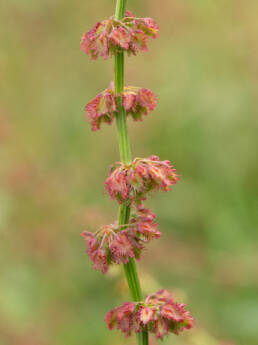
<point>125,156</point>
<point>120,9</point>
<point>123,140</point>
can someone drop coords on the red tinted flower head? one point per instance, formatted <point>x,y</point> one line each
<point>101,109</point>
<point>132,182</point>
<point>111,36</point>
<point>97,247</point>
<point>121,318</point>
<point>117,244</point>
<point>136,101</point>
<point>158,314</point>
<point>143,226</point>
<point>96,42</point>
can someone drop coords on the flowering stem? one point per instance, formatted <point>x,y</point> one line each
<point>125,156</point>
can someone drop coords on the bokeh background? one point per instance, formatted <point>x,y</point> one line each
<point>204,69</point>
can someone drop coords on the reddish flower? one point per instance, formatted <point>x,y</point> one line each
<point>101,109</point>
<point>121,248</point>
<point>122,318</point>
<point>142,225</point>
<point>146,314</point>
<point>119,37</point>
<point>111,36</point>
<point>97,247</point>
<point>136,101</point>
<point>158,314</point>
<point>132,182</point>
<point>117,244</point>
<point>95,42</point>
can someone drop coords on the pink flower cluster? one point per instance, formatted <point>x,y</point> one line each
<point>132,182</point>
<point>158,314</point>
<point>117,244</point>
<point>136,101</point>
<point>111,36</point>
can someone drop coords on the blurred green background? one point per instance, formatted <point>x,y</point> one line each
<point>204,69</point>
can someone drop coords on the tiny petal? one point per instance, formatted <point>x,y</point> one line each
<point>126,309</point>
<point>100,260</point>
<point>146,314</point>
<point>129,100</point>
<point>122,318</point>
<point>145,213</point>
<point>150,27</point>
<point>138,102</point>
<point>88,236</point>
<point>144,227</point>
<point>95,42</point>
<point>121,248</point>
<point>120,37</point>
<point>147,99</point>
<point>111,319</point>
<point>128,14</point>
<point>161,327</point>
<point>116,185</point>
<point>172,312</point>
<point>138,42</point>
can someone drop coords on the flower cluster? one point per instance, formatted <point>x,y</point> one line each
<point>136,101</point>
<point>117,244</point>
<point>132,182</point>
<point>158,314</point>
<point>111,36</point>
